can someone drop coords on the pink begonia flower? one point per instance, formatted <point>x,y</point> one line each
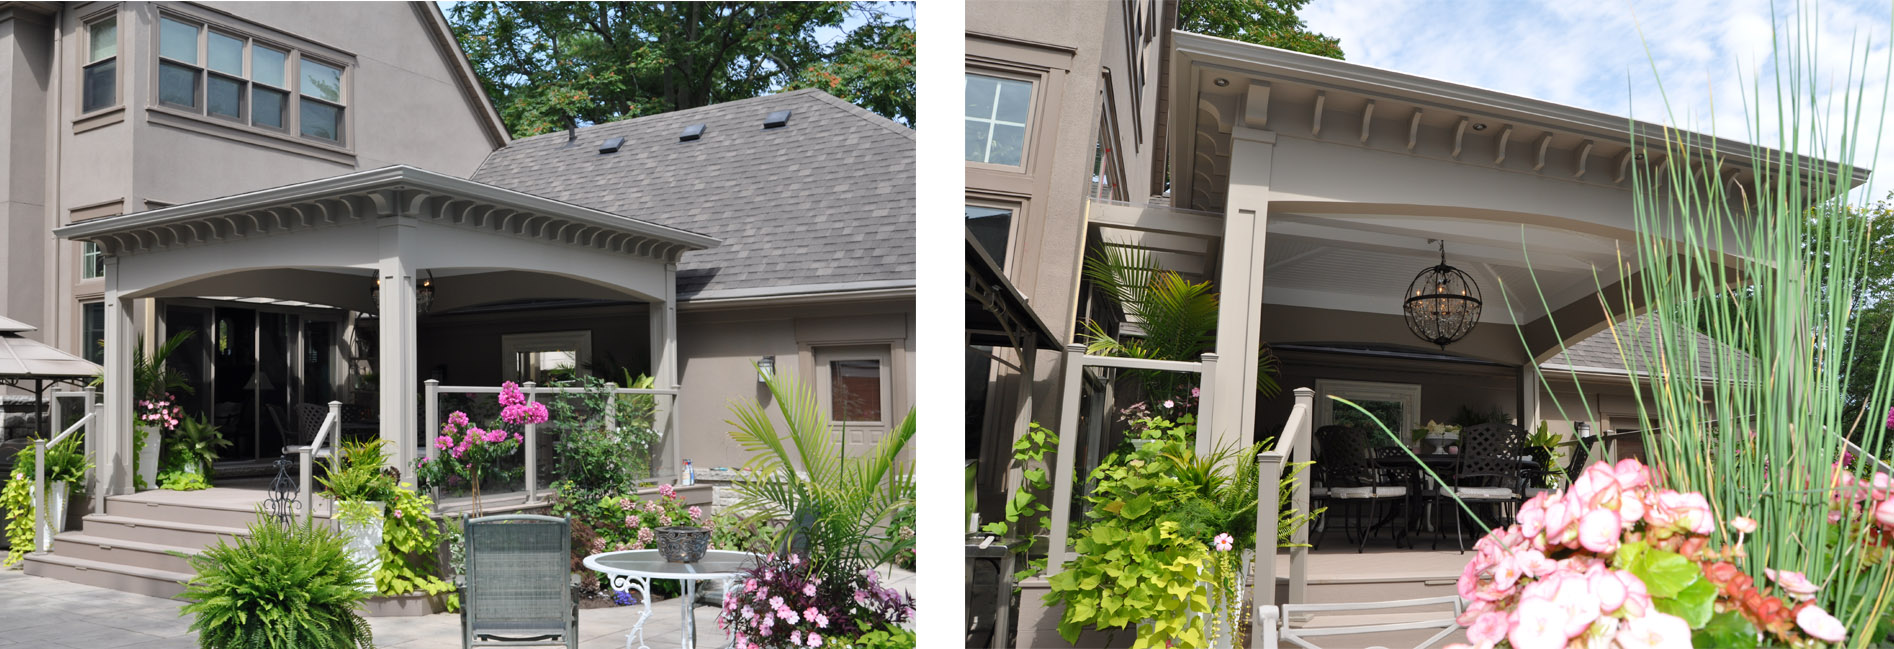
<point>1883,513</point>
<point>1610,592</point>
<point>1538,626</point>
<point>1599,531</point>
<point>1655,631</point>
<point>1531,516</point>
<point>1743,524</point>
<point>1631,474</point>
<point>1819,624</point>
<point>1574,597</point>
<point>1507,574</point>
<point>1637,598</point>
<point>1489,629</point>
<point>1795,583</point>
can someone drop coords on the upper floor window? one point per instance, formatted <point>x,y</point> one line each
<point>91,263</point>
<point>996,119</point>
<point>992,227</point>
<point>99,85</point>
<point>207,70</point>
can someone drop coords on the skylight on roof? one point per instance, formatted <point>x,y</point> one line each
<point>691,133</point>
<point>777,119</point>
<point>611,145</point>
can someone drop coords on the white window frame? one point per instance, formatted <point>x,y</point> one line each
<point>992,120</point>
<point>1408,394</point>
<point>91,261</point>
<point>292,80</point>
<point>90,63</point>
<point>512,345</point>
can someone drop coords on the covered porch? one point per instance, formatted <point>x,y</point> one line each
<point>349,268</point>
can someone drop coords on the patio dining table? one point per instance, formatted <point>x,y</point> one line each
<point>1441,464</point>
<point>634,569</point>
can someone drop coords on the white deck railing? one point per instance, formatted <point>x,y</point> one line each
<point>1292,445</point>
<point>42,531</point>
<point>663,420</point>
<point>1076,362</point>
<point>330,432</point>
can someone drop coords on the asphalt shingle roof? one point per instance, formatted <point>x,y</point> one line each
<point>1599,352</point>
<point>826,200</point>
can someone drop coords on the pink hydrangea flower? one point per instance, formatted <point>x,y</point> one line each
<point>667,490</point>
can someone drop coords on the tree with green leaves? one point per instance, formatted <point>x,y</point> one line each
<point>553,65</point>
<point>1263,22</point>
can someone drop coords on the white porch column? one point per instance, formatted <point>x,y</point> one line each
<point>1240,320</point>
<point>664,371</point>
<point>115,445</point>
<point>396,368</point>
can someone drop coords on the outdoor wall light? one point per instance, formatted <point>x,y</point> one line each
<point>1443,303</point>
<point>424,296</point>
<point>765,368</point>
<point>1481,126</point>
<point>375,292</point>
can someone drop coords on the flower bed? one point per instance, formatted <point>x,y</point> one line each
<point>1615,559</point>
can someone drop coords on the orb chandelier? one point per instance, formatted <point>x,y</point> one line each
<point>1442,303</point>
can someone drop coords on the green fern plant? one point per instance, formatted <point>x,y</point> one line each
<point>838,506</point>
<point>283,587</point>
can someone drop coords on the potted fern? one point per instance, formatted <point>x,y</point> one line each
<point>282,587</point>
<point>66,465</point>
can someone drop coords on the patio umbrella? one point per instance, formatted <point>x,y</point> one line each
<point>23,359</point>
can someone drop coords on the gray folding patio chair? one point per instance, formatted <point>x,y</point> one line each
<point>519,583</point>
<point>1391,621</point>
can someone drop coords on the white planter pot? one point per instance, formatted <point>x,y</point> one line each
<point>363,542</point>
<point>148,455</point>
<point>54,520</point>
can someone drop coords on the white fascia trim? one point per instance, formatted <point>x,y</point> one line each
<point>1331,73</point>
<point>395,177</point>
<point>877,289</point>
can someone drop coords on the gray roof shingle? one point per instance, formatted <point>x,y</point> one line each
<point>824,203</point>
<point>1599,352</point>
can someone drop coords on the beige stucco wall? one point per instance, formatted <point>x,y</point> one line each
<point>716,347</point>
<point>405,105</point>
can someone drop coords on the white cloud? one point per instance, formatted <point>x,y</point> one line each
<point>1601,56</point>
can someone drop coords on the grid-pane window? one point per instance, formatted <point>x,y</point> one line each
<point>91,263</point>
<point>99,86</point>
<point>93,337</point>
<point>996,119</point>
<point>212,71</point>
<point>268,94</point>
<point>321,115</point>
<point>991,226</point>
<point>179,78</point>
<point>855,390</point>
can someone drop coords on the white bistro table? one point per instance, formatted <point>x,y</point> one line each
<point>634,570</point>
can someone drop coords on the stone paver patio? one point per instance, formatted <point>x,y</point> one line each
<point>46,613</point>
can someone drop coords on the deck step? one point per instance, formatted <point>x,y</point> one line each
<point>191,535</point>
<point>221,507</point>
<point>156,556</point>
<point>130,579</point>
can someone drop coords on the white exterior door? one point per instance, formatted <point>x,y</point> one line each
<point>855,385</point>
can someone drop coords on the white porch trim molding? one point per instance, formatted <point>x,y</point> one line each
<point>335,237</point>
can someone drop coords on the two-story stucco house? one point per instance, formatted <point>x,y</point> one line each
<point>324,193</point>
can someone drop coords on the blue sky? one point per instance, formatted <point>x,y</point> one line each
<point>1589,54</point>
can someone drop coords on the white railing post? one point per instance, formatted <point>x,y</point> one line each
<point>532,447</point>
<point>1268,514</point>
<point>1301,451</point>
<point>1206,393</point>
<point>94,486</point>
<point>305,466</point>
<point>335,437</point>
<point>40,542</point>
<point>433,408</point>
<point>1062,477</point>
<point>611,407</point>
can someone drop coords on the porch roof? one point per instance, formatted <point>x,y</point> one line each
<point>1599,353</point>
<point>366,195</point>
<point>1409,107</point>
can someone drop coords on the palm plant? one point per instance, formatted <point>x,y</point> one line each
<point>838,506</point>
<point>151,378</point>
<point>1178,318</point>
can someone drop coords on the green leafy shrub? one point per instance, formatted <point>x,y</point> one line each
<point>17,498</point>
<point>1027,514</point>
<point>409,538</point>
<point>603,441</point>
<point>181,481</point>
<point>892,637</point>
<point>729,531</point>
<point>365,475</point>
<point>283,587</point>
